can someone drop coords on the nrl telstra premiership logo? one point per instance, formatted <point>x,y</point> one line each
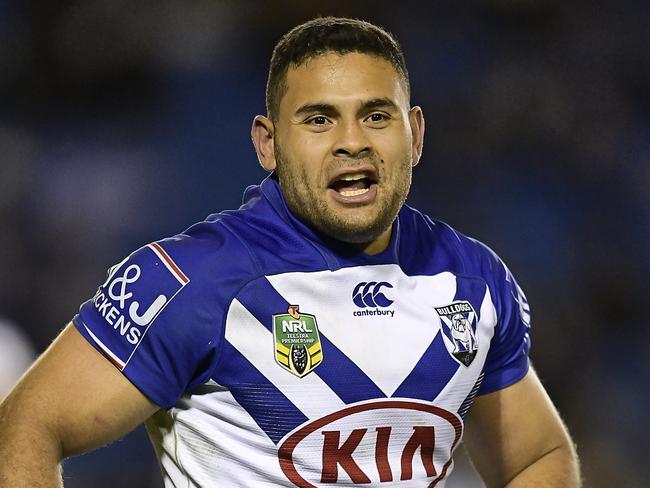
<point>297,343</point>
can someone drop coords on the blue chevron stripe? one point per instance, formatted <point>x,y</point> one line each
<point>431,374</point>
<point>340,373</point>
<point>270,408</point>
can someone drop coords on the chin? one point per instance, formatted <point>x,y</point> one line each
<point>352,226</point>
<point>354,233</point>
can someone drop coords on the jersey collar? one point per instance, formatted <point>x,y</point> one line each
<point>336,253</point>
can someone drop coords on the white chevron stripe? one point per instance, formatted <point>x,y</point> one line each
<point>204,422</point>
<point>255,342</point>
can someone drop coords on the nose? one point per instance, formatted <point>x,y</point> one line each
<point>351,140</point>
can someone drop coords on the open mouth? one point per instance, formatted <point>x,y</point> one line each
<point>353,184</point>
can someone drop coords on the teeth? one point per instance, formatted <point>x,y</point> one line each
<point>353,177</point>
<point>354,193</point>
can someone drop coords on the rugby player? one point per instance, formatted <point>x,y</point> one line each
<point>238,342</point>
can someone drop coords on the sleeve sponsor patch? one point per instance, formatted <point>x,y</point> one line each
<point>135,293</point>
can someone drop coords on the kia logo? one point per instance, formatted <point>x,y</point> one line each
<point>382,442</point>
<point>370,295</point>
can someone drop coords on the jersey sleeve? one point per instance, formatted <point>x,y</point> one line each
<point>151,318</point>
<point>508,357</point>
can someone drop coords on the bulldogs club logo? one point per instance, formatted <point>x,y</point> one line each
<point>459,325</point>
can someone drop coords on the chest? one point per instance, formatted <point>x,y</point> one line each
<point>366,332</point>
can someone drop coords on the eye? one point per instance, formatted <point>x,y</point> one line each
<point>318,120</point>
<point>378,119</point>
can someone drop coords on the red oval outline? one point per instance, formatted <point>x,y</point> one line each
<point>285,451</point>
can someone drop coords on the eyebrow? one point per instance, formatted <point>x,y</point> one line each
<point>311,108</point>
<point>327,108</point>
<point>383,102</point>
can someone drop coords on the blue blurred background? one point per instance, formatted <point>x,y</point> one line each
<point>123,122</point>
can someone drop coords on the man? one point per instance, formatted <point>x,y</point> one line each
<point>306,339</point>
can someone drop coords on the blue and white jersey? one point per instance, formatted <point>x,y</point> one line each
<point>280,358</point>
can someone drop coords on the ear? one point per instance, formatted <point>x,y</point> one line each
<point>416,120</point>
<point>262,135</point>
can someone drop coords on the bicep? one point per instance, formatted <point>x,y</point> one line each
<point>78,396</point>
<point>510,429</point>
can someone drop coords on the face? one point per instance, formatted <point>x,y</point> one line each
<point>344,143</point>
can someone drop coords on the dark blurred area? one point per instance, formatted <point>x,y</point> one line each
<point>124,122</point>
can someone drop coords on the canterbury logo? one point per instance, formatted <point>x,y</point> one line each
<point>369,294</point>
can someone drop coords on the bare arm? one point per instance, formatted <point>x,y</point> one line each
<point>71,401</point>
<point>516,438</point>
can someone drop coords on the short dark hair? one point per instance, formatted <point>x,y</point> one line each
<point>324,35</point>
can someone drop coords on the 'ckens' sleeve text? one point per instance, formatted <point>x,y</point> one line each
<point>151,319</point>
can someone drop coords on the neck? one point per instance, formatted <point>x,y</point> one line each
<point>378,245</point>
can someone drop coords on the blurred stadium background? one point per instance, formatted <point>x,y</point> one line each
<point>123,122</point>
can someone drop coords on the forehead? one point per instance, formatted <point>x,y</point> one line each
<point>340,79</point>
